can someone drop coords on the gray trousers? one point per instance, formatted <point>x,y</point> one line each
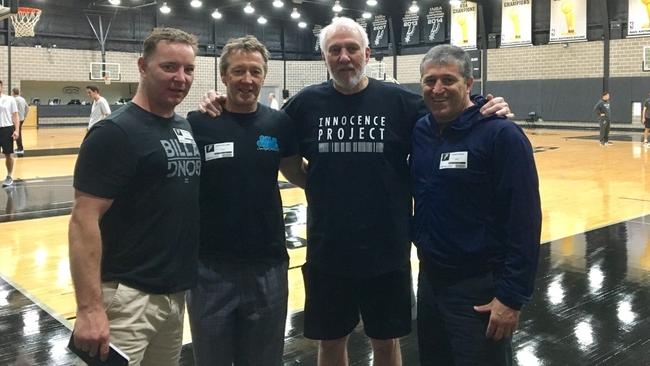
<point>238,314</point>
<point>604,125</point>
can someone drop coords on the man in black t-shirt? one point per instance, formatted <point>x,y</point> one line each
<point>355,132</point>
<point>603,113</point>
<point>134,226</point>
<point>238,309</point>
<point>646,120</point>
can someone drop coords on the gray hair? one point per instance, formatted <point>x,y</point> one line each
<point>342,22</point>
<point>446,54</point>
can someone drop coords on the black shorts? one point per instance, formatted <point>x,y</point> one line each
<point>646,122</point>
<point>6,139</point>
<point>333,304</point>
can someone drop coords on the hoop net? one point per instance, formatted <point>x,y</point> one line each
<point>25,21</point>
<point>107,79</point>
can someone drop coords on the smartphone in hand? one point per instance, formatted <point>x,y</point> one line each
<point>115,356</point>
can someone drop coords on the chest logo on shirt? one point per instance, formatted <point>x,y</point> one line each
<point>453,160</point>
<point>267,143</point>
<point>219,151</point>
<point>356,133</point>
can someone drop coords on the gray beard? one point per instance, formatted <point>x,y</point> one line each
<point>353,81</point>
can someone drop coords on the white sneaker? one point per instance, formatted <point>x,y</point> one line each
<point>20,153</point>
<point>8,182</point>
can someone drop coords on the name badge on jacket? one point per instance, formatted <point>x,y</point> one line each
<point>453,160</point>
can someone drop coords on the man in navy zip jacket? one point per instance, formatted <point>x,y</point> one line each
<point>477,219</point>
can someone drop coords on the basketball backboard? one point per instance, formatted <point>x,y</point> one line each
<point>8,7</point>
<point>105,71</point>
<point>377,70</point>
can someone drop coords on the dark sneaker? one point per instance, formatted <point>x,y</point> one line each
<point>8,182</point>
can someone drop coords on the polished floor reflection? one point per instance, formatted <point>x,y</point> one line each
<point>592,300</point>
<point>591,307</point>
<point>28,334</point>
<point>34,198</point>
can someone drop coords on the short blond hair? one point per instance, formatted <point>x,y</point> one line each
<point>248,44</point>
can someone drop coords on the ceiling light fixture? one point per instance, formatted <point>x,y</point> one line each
<point>249,9</point>
<point>262,20</point>
<point>114,2</point>
<point>455,3</point>
<point>414,8</point>
<point>366,15</point>
<point>278,3</point>
<point>295,14</point>
<point>196,3</point>
<point>371,2</point>
<point>337,8</point>
<point>165,9</point>
<point>216,14</point>
<point>302,24</point>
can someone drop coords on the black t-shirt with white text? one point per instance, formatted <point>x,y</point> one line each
<point>150,166</point>
<point>241,207</point>
<point>358,192</point>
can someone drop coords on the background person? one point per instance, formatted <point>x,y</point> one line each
<point>273,102</point>
<point>100,108</point>
<point>23,110</point>
<point>9,132</point>
<point>603,113</point>
<point>646,120</point>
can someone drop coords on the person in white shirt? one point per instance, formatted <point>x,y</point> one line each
<point>23,110</point>
<point>100,108</point>
<point>273,103</point>
<point>9,132</point>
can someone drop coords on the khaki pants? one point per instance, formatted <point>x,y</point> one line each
<point>148,328</point>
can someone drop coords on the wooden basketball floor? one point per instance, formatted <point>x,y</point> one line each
<point>591,306</point>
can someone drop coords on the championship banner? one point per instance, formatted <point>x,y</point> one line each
<point>516,23</point>
<point>568,20</point>
<point>379,34</point>
<point>638,18</point>
<point>463,25</point>
<point>434,28</point>
<point>316,33</point>
<point>410,29</point>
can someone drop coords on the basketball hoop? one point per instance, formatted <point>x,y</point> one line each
<point>107,79</point>
<point>25,20</point>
